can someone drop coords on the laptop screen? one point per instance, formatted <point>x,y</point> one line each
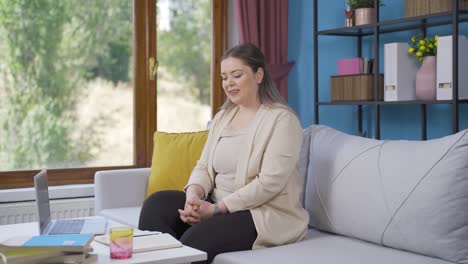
<point>42,199</point>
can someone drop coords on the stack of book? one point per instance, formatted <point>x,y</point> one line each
<point>71,248</point>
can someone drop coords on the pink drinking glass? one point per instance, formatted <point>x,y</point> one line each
<point>121,242</point>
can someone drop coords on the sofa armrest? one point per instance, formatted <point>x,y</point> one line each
<point>120,188</point>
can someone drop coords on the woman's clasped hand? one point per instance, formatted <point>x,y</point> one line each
<point>196,210</point>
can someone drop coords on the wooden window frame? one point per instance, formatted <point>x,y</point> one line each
<point>219,15</point>
<point>144,47</point>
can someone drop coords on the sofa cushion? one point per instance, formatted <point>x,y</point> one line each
<point>329,249</point>
<point>411,195</point>
<point>125,215</point>
<point>174,157</point>
<point>303,163</point>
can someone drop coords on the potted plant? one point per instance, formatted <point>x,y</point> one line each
<point>425,50</point>
<point>364,12</point>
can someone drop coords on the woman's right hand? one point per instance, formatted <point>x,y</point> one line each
<point>190,215</point>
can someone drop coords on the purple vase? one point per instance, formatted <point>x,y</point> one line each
<point>426,88</point>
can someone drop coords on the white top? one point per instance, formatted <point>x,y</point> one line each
<point>225,160</point>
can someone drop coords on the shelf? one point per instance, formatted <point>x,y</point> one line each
<point>364,30</point>
<point>393,102</point>
<point>348,103</point>
<point>395,25</point>
<point>449,19</point>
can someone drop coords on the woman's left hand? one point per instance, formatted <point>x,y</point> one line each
<point>205,209</point>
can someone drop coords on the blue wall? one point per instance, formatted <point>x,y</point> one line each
<point>397,121</point>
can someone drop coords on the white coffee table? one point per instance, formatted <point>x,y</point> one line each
<point>183,254</point>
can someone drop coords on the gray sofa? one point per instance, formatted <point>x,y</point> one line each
<point>370,201</point>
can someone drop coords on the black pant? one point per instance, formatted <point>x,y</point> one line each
<point>215,235</point>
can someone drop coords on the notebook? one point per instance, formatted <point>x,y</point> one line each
<point>69,226</point>
<point>147,243</point>
<point>72,240</point>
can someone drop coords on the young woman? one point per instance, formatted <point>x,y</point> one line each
<point>244,192</point>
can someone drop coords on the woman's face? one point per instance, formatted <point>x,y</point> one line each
<point>240,83</point>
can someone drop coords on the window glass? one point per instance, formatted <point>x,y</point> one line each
<point>184,55</point>
<point>66,91</point>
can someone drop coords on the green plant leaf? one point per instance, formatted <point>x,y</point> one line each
<point>355,4</point>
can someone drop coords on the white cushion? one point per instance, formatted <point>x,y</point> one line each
<point>125,215</point>
<point>323,248</point>
<point>303,163</point>
<point>120,188</point>
<point>411,195</point>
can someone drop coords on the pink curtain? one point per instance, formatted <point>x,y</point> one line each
<point>265,24</point>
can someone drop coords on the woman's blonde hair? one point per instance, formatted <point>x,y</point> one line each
<point>253,57</point>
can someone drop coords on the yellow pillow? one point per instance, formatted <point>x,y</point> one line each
<point>174,157</point>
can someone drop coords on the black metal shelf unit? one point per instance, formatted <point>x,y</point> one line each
<point>392,102</point>
<point>382,27</point>
<point>395,25</point>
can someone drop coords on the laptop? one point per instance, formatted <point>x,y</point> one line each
<point>65,226</point>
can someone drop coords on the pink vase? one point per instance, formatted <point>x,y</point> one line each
<point>426,79</point>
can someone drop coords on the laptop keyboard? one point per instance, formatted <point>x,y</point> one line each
<point>67,227</point>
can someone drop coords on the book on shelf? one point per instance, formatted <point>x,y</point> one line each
<point>367,66</point>
<point>349,66</point>
<point>354,66</point>
<point>148,242</point>
<point>70,248</point>
<point>370,67</point>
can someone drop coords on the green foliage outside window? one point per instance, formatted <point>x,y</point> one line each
<point>185,49</point>
<point>47,50</point>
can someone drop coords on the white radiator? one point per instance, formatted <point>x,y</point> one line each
<point>22,212</point>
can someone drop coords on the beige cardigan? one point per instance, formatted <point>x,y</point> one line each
<point>267,180</point>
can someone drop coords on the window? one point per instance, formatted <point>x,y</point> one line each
<point>184,55</point>
<point>66,84</point>
<point>75,89</point>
